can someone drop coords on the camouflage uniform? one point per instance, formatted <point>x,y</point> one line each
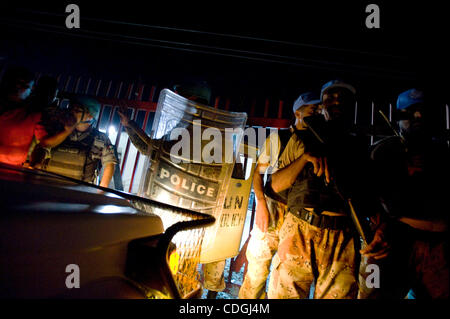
<point>141,144</point>
<point>263,246</point>
<point>308,254</point>
<point>213,276</point>
<point>260,251</point>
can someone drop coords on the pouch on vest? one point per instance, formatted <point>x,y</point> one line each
<point>310,191</point>
<point>70,158</point>
<point>68,161</point>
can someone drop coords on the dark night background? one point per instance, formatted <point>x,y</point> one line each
<point>257,51</point>
<point>246,51</point>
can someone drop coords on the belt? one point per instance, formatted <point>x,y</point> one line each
<point>323,221</point>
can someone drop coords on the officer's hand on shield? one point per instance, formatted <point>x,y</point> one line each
<point>320,165</point>
<point>379,247</point>
<point>262,215</point>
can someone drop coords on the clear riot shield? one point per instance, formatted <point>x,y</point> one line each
<point>193,154</point>
<point>225,234</point>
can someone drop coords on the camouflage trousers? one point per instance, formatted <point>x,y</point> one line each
<point>308,254</point>
<point>213,276</point>
<point>260,251</point>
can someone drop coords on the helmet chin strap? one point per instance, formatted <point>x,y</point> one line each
<point>91,121</point>
<point>88,121</point>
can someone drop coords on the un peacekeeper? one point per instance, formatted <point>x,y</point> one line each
<point>197,91</point>
<point>82,154</point>
<point>318,243</point>
<point>270,206</point>
<point>411,166</point>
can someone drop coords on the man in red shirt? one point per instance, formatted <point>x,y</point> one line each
<point>18,124</point>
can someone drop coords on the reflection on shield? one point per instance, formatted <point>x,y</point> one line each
<point>186,179</point>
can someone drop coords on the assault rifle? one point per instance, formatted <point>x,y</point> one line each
<point>316,125</point>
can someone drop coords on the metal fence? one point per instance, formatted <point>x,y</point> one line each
<point>141,100</point>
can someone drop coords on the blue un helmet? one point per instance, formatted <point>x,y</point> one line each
<point>88,104</point>
<point>305,99</point>
<point>337,99</point>
<point>411,112</point>
<point>408,98</point>
<point>336,84</point>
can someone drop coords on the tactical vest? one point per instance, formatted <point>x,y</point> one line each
<point>310,191</point>
<point>74,159</point>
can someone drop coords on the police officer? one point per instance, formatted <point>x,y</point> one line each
<point>194,90</point>
<point>86,150</point>
<point>198,91</point>
<point>317,240</point>
<point>270,206</point>
<point>411,166</point>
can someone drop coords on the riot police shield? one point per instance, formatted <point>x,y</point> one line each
<point>194,147</point>
<point>225,235</point>
<point>193,178</point>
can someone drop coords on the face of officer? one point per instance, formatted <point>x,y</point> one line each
<point>302,112</point>
<point>411,120</point>
<point>338,105</point>
<point>21,91</point>
<point>84,118</point>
